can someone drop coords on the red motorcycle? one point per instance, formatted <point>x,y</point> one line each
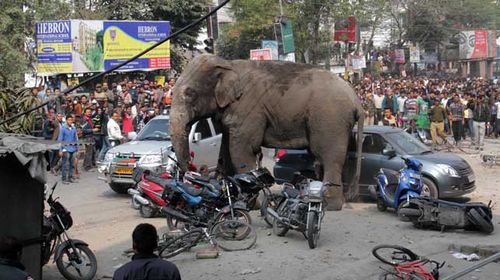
<point>147,195</point>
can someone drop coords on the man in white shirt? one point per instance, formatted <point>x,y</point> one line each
<point>378,98</point>
<point>114,132</point>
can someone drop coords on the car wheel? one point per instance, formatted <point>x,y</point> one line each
<point>119,188</point>
<point>429,188</point>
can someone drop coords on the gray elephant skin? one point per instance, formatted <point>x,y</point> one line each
<point>272,104</point>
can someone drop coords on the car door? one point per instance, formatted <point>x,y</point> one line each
<point>374,158</point>
<point>204,144</point>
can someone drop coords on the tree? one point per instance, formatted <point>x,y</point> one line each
<point>254,21</point>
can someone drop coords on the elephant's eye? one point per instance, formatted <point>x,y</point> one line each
<point>189,92</point>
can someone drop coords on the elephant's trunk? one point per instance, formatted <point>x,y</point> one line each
<point>180,124</point>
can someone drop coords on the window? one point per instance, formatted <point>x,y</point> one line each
<point>217,127</point>
<point>204,128</point>
<point>373,144</point>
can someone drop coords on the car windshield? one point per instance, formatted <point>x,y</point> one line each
<point>409,144</point>
<point>155,130</point>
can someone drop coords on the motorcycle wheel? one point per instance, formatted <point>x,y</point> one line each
<point>313,229</point>
<point>81,257</point>
<point>381,205</point>
<point>279,228</point>
<point>179,244</point>
<point>480,220</point>
<point>271,201</point>
<point>147,211</point>
<point>239,215</point>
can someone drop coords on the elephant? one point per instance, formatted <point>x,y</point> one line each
<point>274,104</point>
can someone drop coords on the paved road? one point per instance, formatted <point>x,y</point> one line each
<point>105,220</point>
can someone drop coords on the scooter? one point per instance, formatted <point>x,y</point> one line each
<point>394,189</point>
<point>426,212</point>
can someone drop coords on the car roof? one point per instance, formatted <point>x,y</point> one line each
<point>379,129</point>
<point>161,117</point>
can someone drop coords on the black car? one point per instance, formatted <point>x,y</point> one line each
<point>445,175</point>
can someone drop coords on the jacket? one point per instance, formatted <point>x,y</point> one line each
<point>68,134</point>
<point>386,103</point>
<point>13,270</point>
<point>147,267</point>
<point>480,111</point>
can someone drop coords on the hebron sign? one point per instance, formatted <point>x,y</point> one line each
<point>81,46</point>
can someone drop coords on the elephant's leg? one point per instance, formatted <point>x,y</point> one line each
<point>243,157</point>
<point>331,152</point>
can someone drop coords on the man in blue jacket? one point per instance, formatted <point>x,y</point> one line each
<point>145,265</point>
<point>67,152</point>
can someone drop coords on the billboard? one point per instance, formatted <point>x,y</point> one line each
<point>345,30</point>
<point>261,54</point>
<point>399,56</point>
<point>414,54</point>
<point>273,45</point>
<point>477,44</point>
<point>81,46</point>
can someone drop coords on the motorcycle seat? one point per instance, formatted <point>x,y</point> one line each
<point>199,178</point>
<point>190,189</point>
<point>158,180</point>
<point>391,175</point>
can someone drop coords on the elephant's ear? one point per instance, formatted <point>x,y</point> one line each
<point>226,91</point>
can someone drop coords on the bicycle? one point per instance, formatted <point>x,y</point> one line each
<point>406,264</point>
<point>222,234</point>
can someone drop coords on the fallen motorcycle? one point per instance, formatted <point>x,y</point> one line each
<point>426,212</point>
<point>301,210</point>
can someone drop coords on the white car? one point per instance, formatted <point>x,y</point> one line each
<point>148,150</point>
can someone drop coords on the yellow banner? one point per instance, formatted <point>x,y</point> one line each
<point>126,46</point>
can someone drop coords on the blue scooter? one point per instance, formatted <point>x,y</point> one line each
<point>394,189</point>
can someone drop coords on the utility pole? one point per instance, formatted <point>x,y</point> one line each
<point>281,7</point>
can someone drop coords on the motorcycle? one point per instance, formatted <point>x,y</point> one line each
<point>301,210</point>
<point>198,202</point>
<point>394,189</point>
<point>147,194</point>
<point>250,184</point>
<point>426,212</point>
<point>68,253</point>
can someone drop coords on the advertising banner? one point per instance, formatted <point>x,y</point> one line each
<point>358,62</point>
<point>414,54</point>
<point>261,54</point>
<point>473,44</point>
<point>81,46</point>
<point>273,45</point>
<point>492,43</point>
<point>345,30</point>
<point>399,56</point>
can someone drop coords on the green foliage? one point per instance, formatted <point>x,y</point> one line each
<point>431,22</point>
<point>94,58</point>
<point>12,102</point>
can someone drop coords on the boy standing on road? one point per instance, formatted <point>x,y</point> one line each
<point>456,111</point>
<point>67,152</point>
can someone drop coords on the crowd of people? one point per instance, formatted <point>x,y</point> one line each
<point>97,120</point>
<point>463,107</point>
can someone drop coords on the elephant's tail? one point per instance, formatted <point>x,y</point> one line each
<point>354,186</point>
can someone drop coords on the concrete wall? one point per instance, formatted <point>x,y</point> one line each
<point>21,209</point>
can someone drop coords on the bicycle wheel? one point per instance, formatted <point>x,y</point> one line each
<point>180,244</point>
<point>393,254</point>
<point>233,235</point>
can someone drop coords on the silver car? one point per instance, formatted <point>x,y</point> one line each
<point>148,150</point>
